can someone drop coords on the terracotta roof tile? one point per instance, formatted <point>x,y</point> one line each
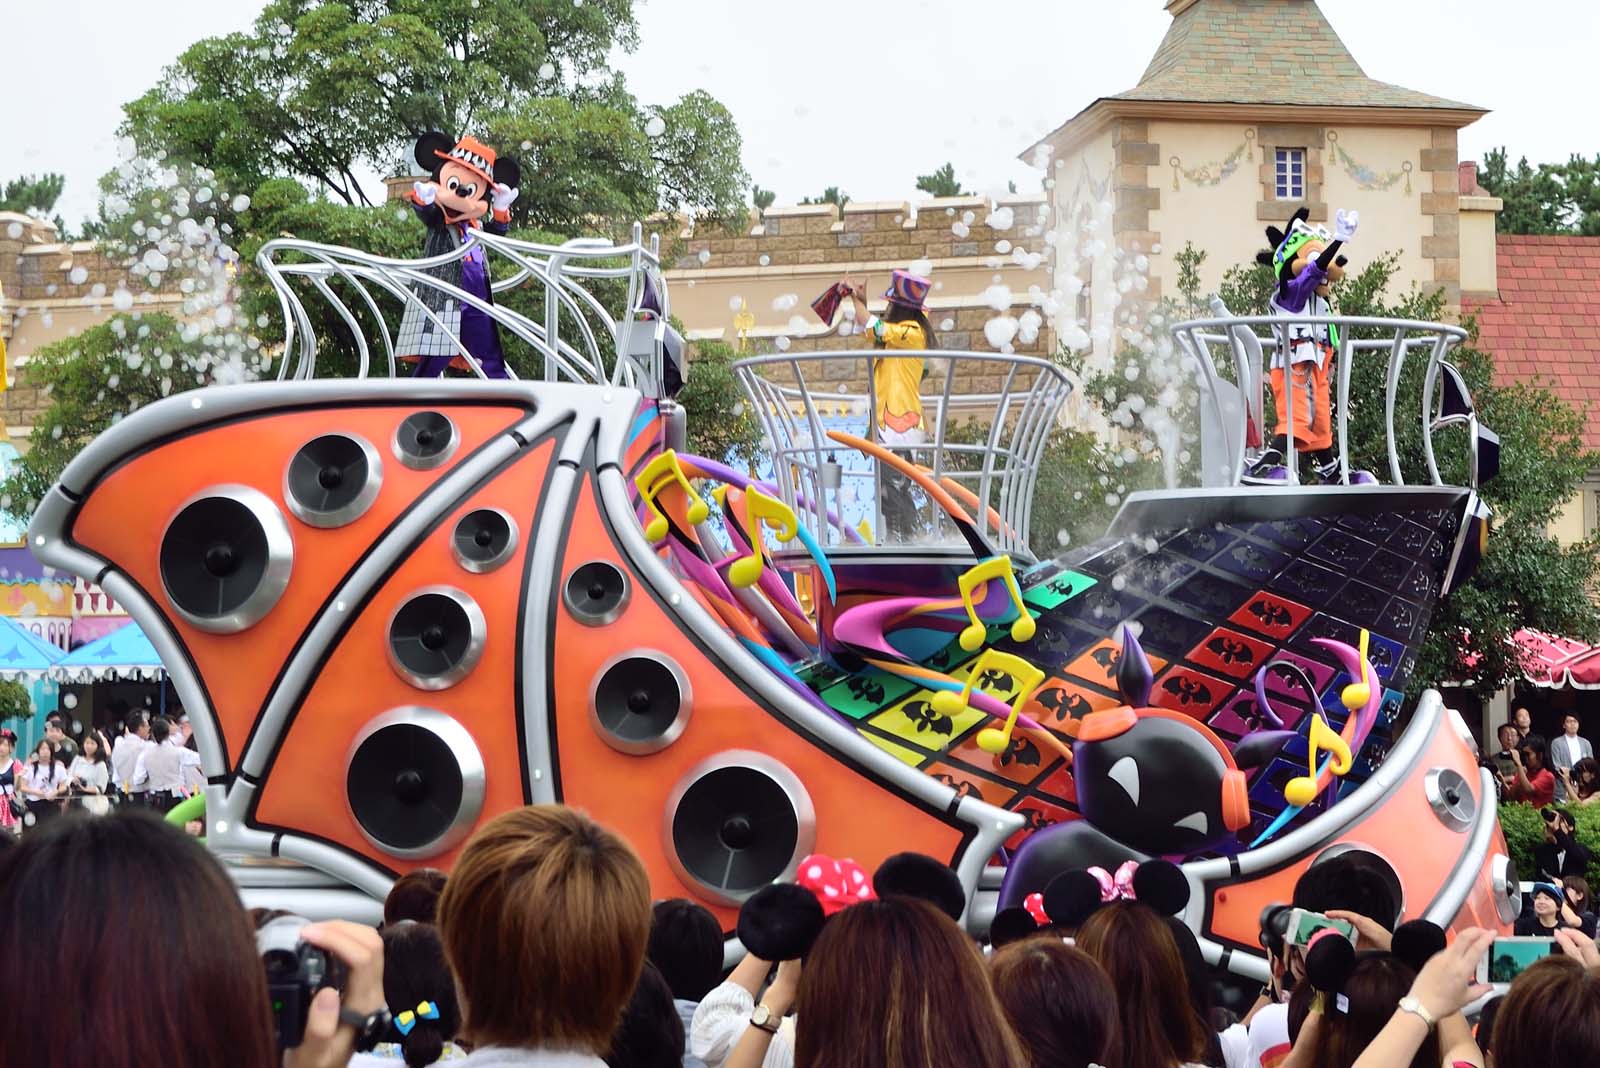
<point>1545,326</point>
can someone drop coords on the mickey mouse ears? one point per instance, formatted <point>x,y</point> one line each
<point>920,876</point>
<point>1072,897</point>
<point>780,922</point>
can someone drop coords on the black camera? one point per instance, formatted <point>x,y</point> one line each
<point>295,972</point>
<point>1275,928</point>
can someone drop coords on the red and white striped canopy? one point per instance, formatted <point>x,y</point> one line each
<point>1548,660</point>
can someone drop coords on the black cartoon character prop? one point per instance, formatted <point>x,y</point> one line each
<point>1305,261</point>
<point>1150,783</point>
<point>469,189</point>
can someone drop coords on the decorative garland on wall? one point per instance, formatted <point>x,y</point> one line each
<point>1214,174</point>
<point>1365,177</point>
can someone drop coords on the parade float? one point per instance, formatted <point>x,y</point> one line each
<point>394,607</point>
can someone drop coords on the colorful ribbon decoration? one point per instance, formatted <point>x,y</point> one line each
<point>425,1010</point>
<point>1118,886</point>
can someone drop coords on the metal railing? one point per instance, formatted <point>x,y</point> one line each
<point>577,337</point>
<point>986,419</point>
<point>1247,352</point>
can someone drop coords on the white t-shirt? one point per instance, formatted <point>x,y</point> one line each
<point>1269,1035</point>
<point>91,772</point>
<point>40,777</point>
<point>721,1019</point>
<point>1236,1048</point>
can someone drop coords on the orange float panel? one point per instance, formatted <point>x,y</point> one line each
<point>304,788</point>
<point>855,816</point>
<point>1402,829</point>
<point>123,519</point>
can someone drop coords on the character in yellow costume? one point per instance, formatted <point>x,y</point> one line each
<point>897,385</point>
<point>897,381</point>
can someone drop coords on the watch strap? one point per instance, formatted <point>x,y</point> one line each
<point>1414,1007</point>
<point>370,1028</point>
<point>764,1019</point>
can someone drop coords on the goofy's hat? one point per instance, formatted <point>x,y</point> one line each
<point>908,290</point>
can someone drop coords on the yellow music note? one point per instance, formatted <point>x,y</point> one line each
<point>1303,790</point>
<point>1357,694</point>
<point>658,474</point>
<point>760,508</point>
<point>1026,677</point>
<point>996,567</point>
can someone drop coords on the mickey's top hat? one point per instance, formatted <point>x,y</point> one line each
<point>907,290</point>
<point>472,154</point>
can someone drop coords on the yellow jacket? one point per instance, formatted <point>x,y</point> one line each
<point>897,379</point>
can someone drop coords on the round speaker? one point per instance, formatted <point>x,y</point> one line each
<point>414,781</point>
<point>225,558</point>
<point>436,637</point>
<point>332,480</point>
<point>640,702</point>
<point>425,440</point>
<point>484,539</point>
<point>737,822</point>
<point>596,593</point>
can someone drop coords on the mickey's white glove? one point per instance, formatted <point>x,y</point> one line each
<point>1345,223</point>
<point>424,192</point>
<point>504,195</point>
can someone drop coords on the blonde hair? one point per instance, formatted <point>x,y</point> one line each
<point>545,919</point>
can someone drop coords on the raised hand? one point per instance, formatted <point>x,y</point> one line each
<point>424,192</point>
<point>504,197</point>
<point>1345,223</point>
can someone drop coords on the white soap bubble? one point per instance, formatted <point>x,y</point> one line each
<point>704,257</point>
<point>968,217</point>
<point>785,302</point>
<point>547,71</point>
<point>240,202</point>
<point>735,303</point>
<point>998,297</point>
<point>960,229</point>
<point>922,267</point>
<point>1000,330</point>
<point>781,343</point>
<point>798,324</point>
<point>78,275</point>
<point>655,126</point>
<point>14,231</point>
<point>764,260</point>
<point>1002,246</point>
<point>1001,219</point>
<point>947,324</point>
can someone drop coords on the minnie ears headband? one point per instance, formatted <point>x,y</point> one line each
<point>1072,897</point>
<point>1331,958</point>
<point>782,921</point>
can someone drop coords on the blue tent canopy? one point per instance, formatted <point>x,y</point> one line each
<point>125,653</point>
<point>23,654</point>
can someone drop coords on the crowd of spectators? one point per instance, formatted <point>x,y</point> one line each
<point>543,948</point>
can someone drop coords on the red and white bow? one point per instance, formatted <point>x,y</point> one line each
<point>1034,903</point>
<point>836,883</point>
<point>1118,886</point>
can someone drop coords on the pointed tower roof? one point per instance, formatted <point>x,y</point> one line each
<point>1264,52</point>
<point>1261,59</point>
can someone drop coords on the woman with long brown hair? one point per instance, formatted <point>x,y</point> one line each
<point>143,929</point>
<point>1059,1002</point>
<point>896,984</point>
<point>1158,1027</point>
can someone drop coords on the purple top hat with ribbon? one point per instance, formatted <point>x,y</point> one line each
<point>907,290</point>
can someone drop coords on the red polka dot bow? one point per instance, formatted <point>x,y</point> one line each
<point>836,883</point>
<point>1034,903</point>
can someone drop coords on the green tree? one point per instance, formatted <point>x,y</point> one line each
<point>315,91</point>
<point>1189,260</point>
<point>941,183</point>
<point>15,703</point>
<point>717,414</point>
<point>34,194</point>
<point>101,374</point>
<point>1535,202</point>
<point>762,198</point>
<point>1526,579</point>
<point>830,195</point>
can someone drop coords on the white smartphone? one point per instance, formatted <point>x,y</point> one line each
<point>1510,957</point>
<point>1304,924</point>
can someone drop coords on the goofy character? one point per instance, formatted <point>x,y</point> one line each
<point>1305,262</point>
<point>466,183</point>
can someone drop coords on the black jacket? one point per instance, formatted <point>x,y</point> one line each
<point>1576,861</point>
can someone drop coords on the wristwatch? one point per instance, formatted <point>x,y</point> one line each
<point>1414,1007</point>
<point>371,1028</point>
<point>763,1018</point>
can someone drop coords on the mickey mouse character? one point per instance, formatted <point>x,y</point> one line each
<point>1305,262</point>
<point>467,181</point>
